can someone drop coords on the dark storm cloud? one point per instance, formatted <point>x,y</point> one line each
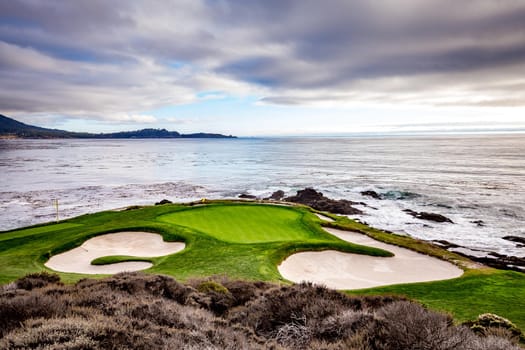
<point>102,58</point>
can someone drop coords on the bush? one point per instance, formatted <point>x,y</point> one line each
<point>407,325</point>
<point>37,280</point>
<point>140,311</point>
<point>304,314</point>
<point>486,324</point>
<point>14,310</point>
<point>212,287</point>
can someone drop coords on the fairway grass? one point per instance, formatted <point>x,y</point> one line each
<point>248,241</point>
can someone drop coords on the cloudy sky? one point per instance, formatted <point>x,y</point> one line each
<point>269,67</point>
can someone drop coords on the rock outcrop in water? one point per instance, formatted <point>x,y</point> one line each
<point>423,215</point>
<point>276,196</point>
<point>318,201</point>
<point>370,193</point>
<point>520,240</point>
<point>492,259</point>
<point>247,196</point>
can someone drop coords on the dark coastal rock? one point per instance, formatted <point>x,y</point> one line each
<point>515,239</point>
<point>479,223</point>
<point>503,262</point>
<point>492,259</point>
<point>318,201</point>
<point>276,196</point>
<point>400,195</point>
<point>247,196</point>
<point>423,215</point>
<point>445,244</point>
<point>371,193</point>
<point>164,201</point>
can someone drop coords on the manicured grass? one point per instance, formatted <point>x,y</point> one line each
<point>36,230</point>
<point>113,259</point>
<point>246,224</point>
<point>248,241</point>
<point>284,231</point>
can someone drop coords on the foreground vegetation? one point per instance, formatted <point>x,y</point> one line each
<point>248,241</point>
<point>477,291</point>
<point>144,311</point>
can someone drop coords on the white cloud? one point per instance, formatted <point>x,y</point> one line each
<point>115,61</point>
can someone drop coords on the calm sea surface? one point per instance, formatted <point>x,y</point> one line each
<point>466,178</point>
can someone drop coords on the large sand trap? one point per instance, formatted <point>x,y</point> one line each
<point>140,244</point>
<point>353,271</point>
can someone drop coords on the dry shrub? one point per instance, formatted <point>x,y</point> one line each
<point>244,291</point>
<point>294,334</point>
<point>343,325</point>
<point>137,283</point>
<point>126,311</point>
<point>302,315</point>
<point>407,325</point>
<point>37,280</point>
<point>14,310</point>
<point>140,311</point>
<point>285,305</point>
<point>220,294</point>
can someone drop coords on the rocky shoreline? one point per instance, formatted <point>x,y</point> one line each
<point>492,259</point>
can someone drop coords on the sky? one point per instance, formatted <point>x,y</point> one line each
<point>269,67</point>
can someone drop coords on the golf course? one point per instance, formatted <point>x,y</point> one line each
<point>253,241</point>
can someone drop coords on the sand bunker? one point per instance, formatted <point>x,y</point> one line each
<point>140,244</point>
<point>324,217</point>
<point>353,271</point>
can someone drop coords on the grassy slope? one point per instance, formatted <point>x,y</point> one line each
<point>478,291</point>
<point>217,243</point>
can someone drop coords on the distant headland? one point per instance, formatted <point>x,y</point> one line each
<point>12,129</point>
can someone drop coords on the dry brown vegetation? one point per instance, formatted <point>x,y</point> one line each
<point>142,311</point>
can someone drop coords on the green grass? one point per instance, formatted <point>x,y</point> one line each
<point>478,291</point>
<point>246,224</point>
<point>113,259</point>
<point>36,230</point>
<point>248,241</point>
<point>238,253</point>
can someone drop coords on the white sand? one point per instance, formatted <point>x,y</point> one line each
<point>324,217</point>
<point>140,244</point>
<point>353,271</point>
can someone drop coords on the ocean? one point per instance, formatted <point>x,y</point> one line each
<point>478,181</point>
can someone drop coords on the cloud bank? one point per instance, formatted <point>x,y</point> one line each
<point>116,60</point>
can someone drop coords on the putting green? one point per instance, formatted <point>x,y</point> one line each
<point>244,224</point>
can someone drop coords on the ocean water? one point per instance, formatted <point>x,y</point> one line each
<point>464,177</point>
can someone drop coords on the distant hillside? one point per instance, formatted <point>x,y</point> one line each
<point>10,128</point>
